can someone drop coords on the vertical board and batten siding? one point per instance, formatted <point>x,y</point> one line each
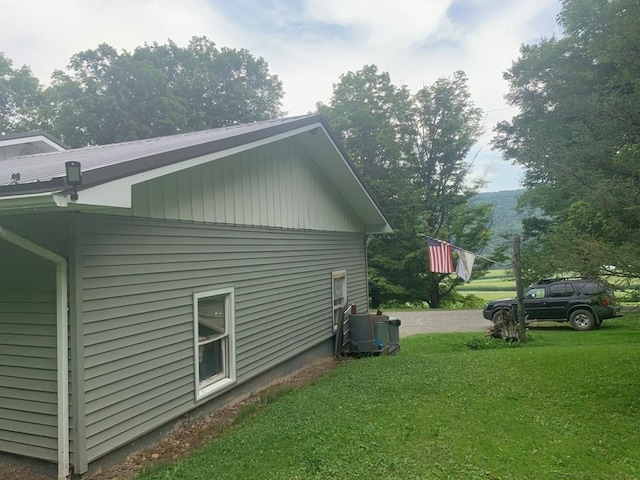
<point>28,379</point>
<point>138,278</point>
<point>275,185</point>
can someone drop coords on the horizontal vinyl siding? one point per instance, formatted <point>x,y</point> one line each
<point>272,186</point>
<point>28,401</point>
<point>138,278</point>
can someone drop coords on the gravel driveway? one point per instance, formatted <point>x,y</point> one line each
<point>440,321</point>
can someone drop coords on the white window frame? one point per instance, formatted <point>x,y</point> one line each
<point>335,309</point>
<point>216,384</point>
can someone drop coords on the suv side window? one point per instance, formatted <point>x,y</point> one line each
<point>592,288</point>
<point>561,290</point>
<point>536,292</point>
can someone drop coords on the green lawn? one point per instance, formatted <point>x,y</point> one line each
<point>565,406</point>
<point>493,280</point>
<point>496,284</point>
<point>491,295</point>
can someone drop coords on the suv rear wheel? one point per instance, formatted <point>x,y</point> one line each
<point>498,313</point>
<point>582,320</point>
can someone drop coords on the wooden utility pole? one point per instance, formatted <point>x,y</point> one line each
<point>522,328</point>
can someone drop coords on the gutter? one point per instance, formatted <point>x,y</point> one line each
<point>62,322</point>
<point>37,200</point>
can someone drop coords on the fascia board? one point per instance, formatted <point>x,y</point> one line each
<point>37,200</point>
<point>31,140</point>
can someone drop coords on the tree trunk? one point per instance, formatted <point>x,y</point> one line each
<point>434,297</point>
<point>522,328</point>
<point>504,326</point>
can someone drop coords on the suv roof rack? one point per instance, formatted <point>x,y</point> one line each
<point>543,281</point>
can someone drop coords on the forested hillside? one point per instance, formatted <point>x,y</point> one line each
<point>506,220</point>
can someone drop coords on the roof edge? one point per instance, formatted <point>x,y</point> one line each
<point>373,195</point>
<point>34,133</point>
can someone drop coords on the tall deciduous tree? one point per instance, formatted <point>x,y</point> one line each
<point>412,149</point>
<point>443,125</point>
<point>109,96</point>
<point>20,97</point>
<point>578,137</point>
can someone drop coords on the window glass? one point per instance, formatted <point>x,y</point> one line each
<point>592,288</point>
<point>214,341</point>
<point>537,292</point>
<point>561,290</point>
<point>211,336</point>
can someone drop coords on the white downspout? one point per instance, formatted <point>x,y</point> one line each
<point>62,321</point>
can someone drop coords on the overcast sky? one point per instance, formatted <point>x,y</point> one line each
<point>307,43</point>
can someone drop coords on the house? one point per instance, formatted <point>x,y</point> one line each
<point>22,144</point>
<point>180,271</point>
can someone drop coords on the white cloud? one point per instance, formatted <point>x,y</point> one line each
<point>45,34</point>
<point>383,23</point>
<point>307,43</point>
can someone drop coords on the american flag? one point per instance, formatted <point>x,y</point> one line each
<point>440,256</point>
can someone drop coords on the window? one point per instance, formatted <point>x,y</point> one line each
<point>536,292</point>
<point>592,288</point>
<point>214,328</point>
<point>561,290</point>
<point>338,294</point>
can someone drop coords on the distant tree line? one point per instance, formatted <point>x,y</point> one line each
<point>110,96</point>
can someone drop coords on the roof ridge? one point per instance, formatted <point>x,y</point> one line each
<point>279,120</point>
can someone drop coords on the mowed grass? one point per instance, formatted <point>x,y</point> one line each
<point>492,295</point>
<point>565,406</point>
<point>496,284</point>
<point>494,280</point>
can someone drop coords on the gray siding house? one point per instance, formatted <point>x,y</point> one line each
<point>187,267</point>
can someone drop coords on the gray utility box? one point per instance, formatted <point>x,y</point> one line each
<point>374,334</point>
<point>363,338</point>
<point>394,334</point>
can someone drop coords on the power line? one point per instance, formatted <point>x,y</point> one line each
<point>499,109</point>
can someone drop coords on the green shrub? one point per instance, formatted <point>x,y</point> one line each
<point>489,343</point>
<point>457,301</point>
<point>398,305</point>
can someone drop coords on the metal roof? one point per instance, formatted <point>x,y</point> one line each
<point>107,163</point>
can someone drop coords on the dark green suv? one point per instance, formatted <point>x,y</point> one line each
<point>584,303</point>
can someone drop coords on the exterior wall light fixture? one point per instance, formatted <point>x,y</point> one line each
<point>73,178</point>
